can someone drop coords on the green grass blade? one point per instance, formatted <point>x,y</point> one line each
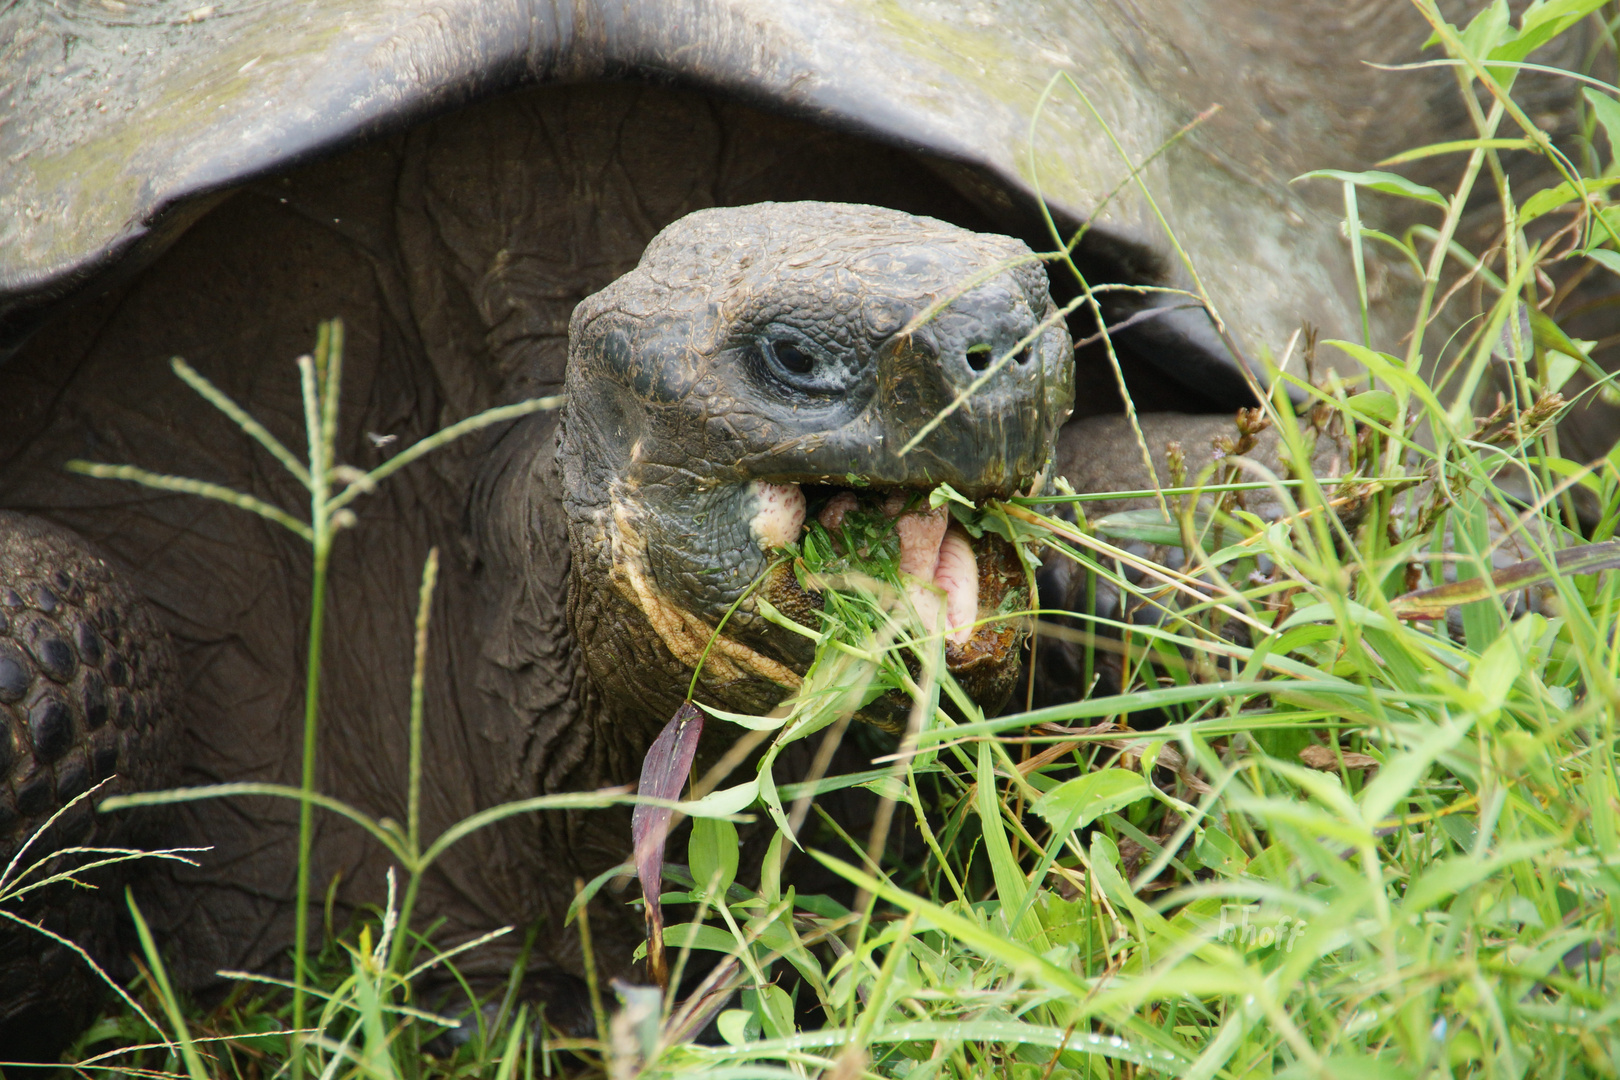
<point>171,1004</point>
<point>185,486</point>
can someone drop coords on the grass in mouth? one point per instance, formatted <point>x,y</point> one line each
<point>1378,835</point>
<point>855,570</point>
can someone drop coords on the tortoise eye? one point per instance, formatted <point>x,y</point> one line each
<point>790,362</point>
<point>792,358</point>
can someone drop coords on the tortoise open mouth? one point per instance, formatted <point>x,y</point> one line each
<point>967,588</point>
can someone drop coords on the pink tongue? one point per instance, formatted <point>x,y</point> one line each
<point>958,574</point>
<point>933,551</point>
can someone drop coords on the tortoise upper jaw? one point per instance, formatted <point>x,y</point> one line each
<point>988,434</point>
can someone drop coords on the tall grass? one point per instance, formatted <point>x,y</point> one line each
<point>1378,835</point>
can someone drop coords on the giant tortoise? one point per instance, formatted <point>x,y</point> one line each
<point>458,180</point>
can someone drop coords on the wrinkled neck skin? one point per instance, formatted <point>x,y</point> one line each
<point>656,552</point>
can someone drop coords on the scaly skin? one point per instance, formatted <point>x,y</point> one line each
<point>86,691</point>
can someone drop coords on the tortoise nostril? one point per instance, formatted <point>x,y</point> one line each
<point>1023,355</point>
<point>978,357</point>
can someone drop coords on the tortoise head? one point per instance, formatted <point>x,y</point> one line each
<point>770,361</point>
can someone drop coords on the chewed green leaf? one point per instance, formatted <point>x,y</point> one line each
<point>1387,182</point>
<point>1074,804</point>
<point>944,493</point>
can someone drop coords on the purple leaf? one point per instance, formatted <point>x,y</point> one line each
<point>663,775</point>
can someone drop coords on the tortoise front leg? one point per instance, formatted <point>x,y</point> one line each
<point>86,685</point>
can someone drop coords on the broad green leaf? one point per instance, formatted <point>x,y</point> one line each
<point>1546,201</point>
<point>1566,469</point>
<point>774,1009</point>
<point>770,871</point>
<point>1149,526</point>
<point>1607,224</point>
<point>1561,367</point>
<point>1011,885</point>
<point>1146,526</point>
<point>722,803</point>
<point>1325,790</point>
<point>1495,671</point>
<point>1300,636</point>
<point>698,936</point>
<point>1551,335</point>
<point>1105,865</point>
<point>773,802</point>
<point>1152,1052</point>
<point>1406,666</point>
<point>1219,852</point>
<point>1402,771</point>
<point>1564,13</point>
<point>826,784</point>
<point>738,1026</point>
<point>888,786</point>
<point>1482,620</point>
<point>1376,405</point>
<point>1607,111</point>
<point>1541,23</point>
<point>1488,30</point>
<point>1445,878</point>
<point>711,852</point>
<point>1605,257</point>
<point>1328,613</point>
<point>1392,371</point>
<point>1076,803</point>
<point>1387,182</point>
<point>1307,817</point>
